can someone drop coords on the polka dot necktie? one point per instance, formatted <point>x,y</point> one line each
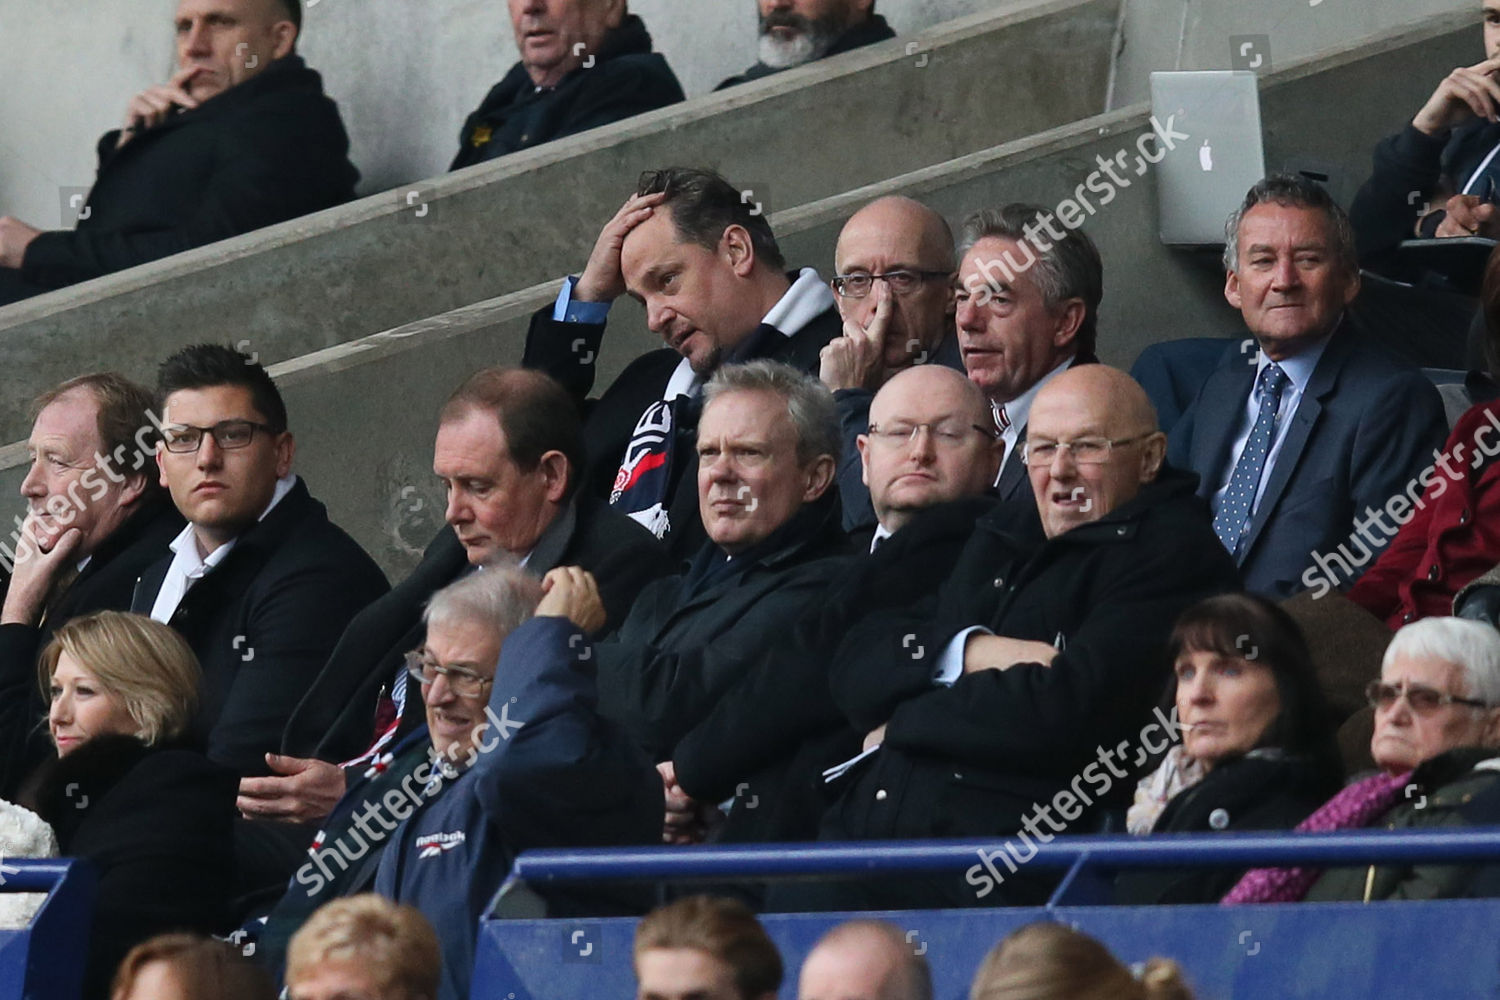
<point>1233,515</point>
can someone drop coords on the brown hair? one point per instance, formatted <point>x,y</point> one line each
<point>536,415</point>
<point>144,664</point>
<point>124,420</point>
<point>393,943</point>
<point>1047,961</point>
<point>722,928</point>
<point>204,967</point>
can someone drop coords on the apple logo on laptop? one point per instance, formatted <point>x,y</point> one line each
<point>1205,157</point>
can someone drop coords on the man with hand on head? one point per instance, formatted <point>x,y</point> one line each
<point>1440,175</point>
<point>796,32</point>
<point>96,518</point>
<point>584,63</point>
<point>240,137</point>
<point>894,264</point>
<point>706,266</point>
<point>999,693</point>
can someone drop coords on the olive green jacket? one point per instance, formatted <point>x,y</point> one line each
<point>1442,793</point>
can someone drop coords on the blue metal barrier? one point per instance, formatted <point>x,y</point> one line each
<point>44,961</point>
<point>1445,948</point>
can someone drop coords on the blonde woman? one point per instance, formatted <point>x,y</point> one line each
<point>127,790</point>
<point>1046,961</point>
<point>364,946</point>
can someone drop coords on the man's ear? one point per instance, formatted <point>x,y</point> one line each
<point>135,486</point>
<point>1352,289</point>
<point>283,39</point>
<point>554,467</point>
<point>1232,290</point>
<point>862,442</point>
<point>1153,454</point>
<point>161,467</point>
<point>819,476</point>
<point>1069,318</point>
<point>615,13</point>
<point>738,250</point>
<point>286,450</point>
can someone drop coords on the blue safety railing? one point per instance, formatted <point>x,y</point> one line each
<point>1302,951</point>
<point>1083,856</point>
<point>44,959</point>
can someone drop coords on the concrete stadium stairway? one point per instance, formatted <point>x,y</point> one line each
<point>493,229</point>
<point>364,411</point>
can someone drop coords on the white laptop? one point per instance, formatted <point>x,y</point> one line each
<point>1204,178</point>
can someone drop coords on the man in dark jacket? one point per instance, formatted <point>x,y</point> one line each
<point>260,582</point>
<point>584,63</point>
<point>1302,447</point>
<point>704,262</point>
<point>509,445</point>
<point>1439,175</point>
<point>770,736</point>
<point>893,274</point>
<point>987,707</point>
<point>795,32</point>
<point>97,518</point>
<point>241,137</point>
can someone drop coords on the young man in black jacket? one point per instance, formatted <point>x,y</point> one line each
<point>260,582</point>
<point>241,137</point>
<point>584,63</point>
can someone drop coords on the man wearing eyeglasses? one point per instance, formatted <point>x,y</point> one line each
<point>894,263</point>
<point>985,713</point>
<point>260,582</point>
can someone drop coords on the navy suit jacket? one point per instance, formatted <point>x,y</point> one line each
<point>1364,429</point>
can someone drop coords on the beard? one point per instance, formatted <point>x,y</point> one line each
<point>812,39</point>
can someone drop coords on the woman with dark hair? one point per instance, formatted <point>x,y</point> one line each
<point>1258,750</point>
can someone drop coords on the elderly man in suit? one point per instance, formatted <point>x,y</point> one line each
<point>1300,445</point>
<point>1027,311</point>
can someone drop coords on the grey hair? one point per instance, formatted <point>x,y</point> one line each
<point>1070,269</point>
<point>1293,191</point>
<point>501,597</point>
<point>1473,647</point>
<point>808,402</point>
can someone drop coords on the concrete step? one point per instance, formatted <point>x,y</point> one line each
<point>364,412</point>
<point>393,258</point>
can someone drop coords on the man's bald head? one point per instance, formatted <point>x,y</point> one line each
<point>1103,415</point>
<point>864,960</point>
<point>900,234</point>
<point>929,442</point>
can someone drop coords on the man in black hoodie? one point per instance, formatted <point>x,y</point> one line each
<point>794,32</point>
<point>584,63</point>
<point>241,137</point>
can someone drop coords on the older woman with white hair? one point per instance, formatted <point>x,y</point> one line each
<point>1437,729</point>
